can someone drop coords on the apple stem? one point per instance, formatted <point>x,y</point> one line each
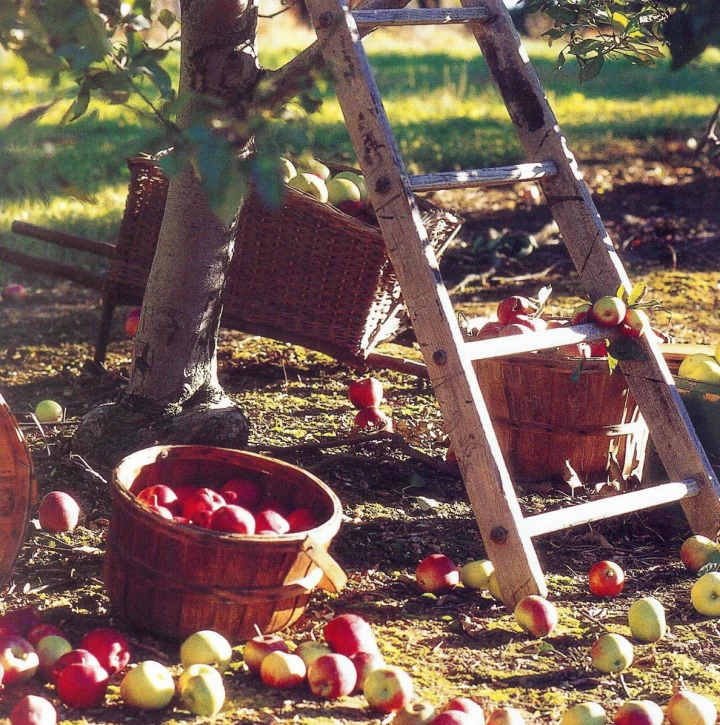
<point>257,629</point>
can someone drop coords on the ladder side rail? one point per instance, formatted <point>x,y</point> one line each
<point>596,260</point>
<point>468,422</point>
<point>419,16</point>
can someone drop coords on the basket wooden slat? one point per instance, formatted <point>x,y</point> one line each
<point>175,580</point>
<point>305,274</point>
<point>18,490</point>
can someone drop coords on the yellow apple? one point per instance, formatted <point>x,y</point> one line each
<point>287,169</point>
<point>149,686</point>
<point>340,190</point>
<point>313,166</point>
<point>476,574</point>
<point>717,352</point>
<point>310,184</point>
<point>690,708</point>
<point>611,653</point>
<point>493,587</point>
<point>646,618</point>
<point>585,713</point>
<point>204,693</point>
<point>357,179</point>
<point>696,551</point>
<point>701,367</point>
<point>705,594</point>
<point>206,647</point>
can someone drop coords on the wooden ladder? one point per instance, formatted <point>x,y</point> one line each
<point>506,533</point>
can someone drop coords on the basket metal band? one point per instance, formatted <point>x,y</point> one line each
<point>588,431</point>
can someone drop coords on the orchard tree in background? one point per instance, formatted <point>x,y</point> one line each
<point>218,123</point>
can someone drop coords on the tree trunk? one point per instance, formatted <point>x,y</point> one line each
<point>174,395</point>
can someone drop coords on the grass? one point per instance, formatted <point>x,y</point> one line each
<point>438,95</point>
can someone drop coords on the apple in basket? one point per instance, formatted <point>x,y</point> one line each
<point>241,492</point>
<point>302,519</point>
<point>510,307</point>
<point>204,499</point>
<point>232,519</point>
<point>269,522</point>
<point>609,311</point>
<point>159,495</point>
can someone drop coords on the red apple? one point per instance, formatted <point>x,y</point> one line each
<point>33,710</point>
<point>638,712</point>
<point>388,689</point>
<point>232,520</point>
<point>257,648</point>
<point>241,492</point>
<point>282,670</point>
<point>351,207</point>
<point>109,646</point>
<point>331,676</point>
<point>514,328</point>
<point>365,663</point>
<point>487,331</point>
<point>581,314</point>
<point>203,499</point>
<point>132,321</point>
<point>183,493</point>
<point>58,512</point>
<point>536,615</point>
<point>468,707</point>
<point>598,348</point>
<point>609,311</point>
<point>159,495</point>
<point>43,630</point>
<point>372,419</point>
<point>506,716</point>
<point>437,573</point>
<point>455,717</point>
<point>365,393</point>
<point>275,504</point>
<point>513,306</point>
<point>269,521</point>
<point>81,686</point>
<point>2,674</point>
<point>161,511</point>
<point>18,658</point>
<point>203,519</point>
<point>14,292</point>
<point>302,519</point>
<point>348,634</point>
<point>536,324</point>
<point>74,656</point>
<point>635,323</point>
<point>606,579</point>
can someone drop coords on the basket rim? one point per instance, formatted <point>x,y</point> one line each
<point>331,526</point>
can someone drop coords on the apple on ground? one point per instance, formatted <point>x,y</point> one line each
<point>606,579</point>
<point>33,710</point>
<point>455,717</point>
<point>372,419</point>
<point>110,647</point>
<point>388,689</point>
<point>257,648</point>
<point>147,686</point>
<point>365,663</point>
<point>49,650</point>
<point>21,620</point>
<point>14,292</point>
<point>18,659</point>
<point>159,495</point>
<point>646,618</point>
<point>506,716</point>
<point>331,676</point>
<point>348,634</point>
<point>696,551</point>
<point>493,587</point>
<point>691,708</point>
<point>536,615</point>
<point>310,650</point>
<point>302,519</point>
<point>310,184</point>
<point>365,393</point>
<point>513,306</point>
<point>43,630</point>
<point>231,519</point>
<point>416,713</point>
<point>609,311</point>
<point>437,573</point>
<point>611,653</point>
<point>132,322</point>
<point>269,521</point>
<point>74,656</point>
<point>202,690</point>
<point>206,647</point>
<point>283,670</point>
<point>82,685</point>
<point>58,512</point>
<point>584,713</point>
<point>639,712</point>
<point>705,594</point>
<point>48,411</point>
<point>241,492</point>
<point>467,706</point>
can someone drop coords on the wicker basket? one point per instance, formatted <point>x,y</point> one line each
<point>174,580</point>
<point>543,419</point>
<point>306,274</point>
<point>18,490</point>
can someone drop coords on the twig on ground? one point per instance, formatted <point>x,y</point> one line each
<point>483,278</point>
<point>532,276</point>
<point>80,461</point>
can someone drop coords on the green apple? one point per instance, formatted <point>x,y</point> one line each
<point>611,653</point>
<point>701,367</point>
<point>206,647</point>
<point>357,179</point>
<point>646,618</point>
<point>493,587</point>
<point>340,190</point>
<point>310,184</point>
<point>310,650</point>
<point>313,166</point>
<point>705,594</point>
<point>203,693</point>
<point>476,574</point>
<point>49,650</point>
<point>287,169</point>
<point>48,411</point>
<point>192,671</point>
<point>690,708</point>
<point>148,686</point>
<point>696,551</point>
<point>584,713</point>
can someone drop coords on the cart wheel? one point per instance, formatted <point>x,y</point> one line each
<point>18,490</point>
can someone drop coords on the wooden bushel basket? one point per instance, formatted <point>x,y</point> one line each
<point>543,419</point>
<point>175,579</point>
<point>17,490</point>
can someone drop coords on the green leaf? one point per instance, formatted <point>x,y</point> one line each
<point>591,68</point>
<point>637,293</point>
<point>166,18</point>
<point>612,363</point>
<point>585,46</point>
<point>575,377</point>
<point>625,348</point>
<point>30,116</point>
<point>161,79</point>
<point>78,107</point>
<point>560,62</point>
<point>134,43</point>
<point>268,182</point>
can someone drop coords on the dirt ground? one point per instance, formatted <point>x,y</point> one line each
<point>402,502</point>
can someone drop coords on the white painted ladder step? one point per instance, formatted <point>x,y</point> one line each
<point>417,16</point>
<point>472,178</point>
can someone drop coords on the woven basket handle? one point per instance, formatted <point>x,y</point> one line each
<point>334,578</point>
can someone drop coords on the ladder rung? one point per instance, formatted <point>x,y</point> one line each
<point>544,340</point>
<point>482,177</point>
<point>418,16</point>
<point>605,508</point>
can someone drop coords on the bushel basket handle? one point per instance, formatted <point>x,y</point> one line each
<point>334,578</point>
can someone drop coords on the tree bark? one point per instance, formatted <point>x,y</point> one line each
<point>173,381</point>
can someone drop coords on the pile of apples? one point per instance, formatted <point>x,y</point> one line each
<point>346,190</point>
<point>366,394</point>
<point>701,367</point>
<point>239,507</point>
